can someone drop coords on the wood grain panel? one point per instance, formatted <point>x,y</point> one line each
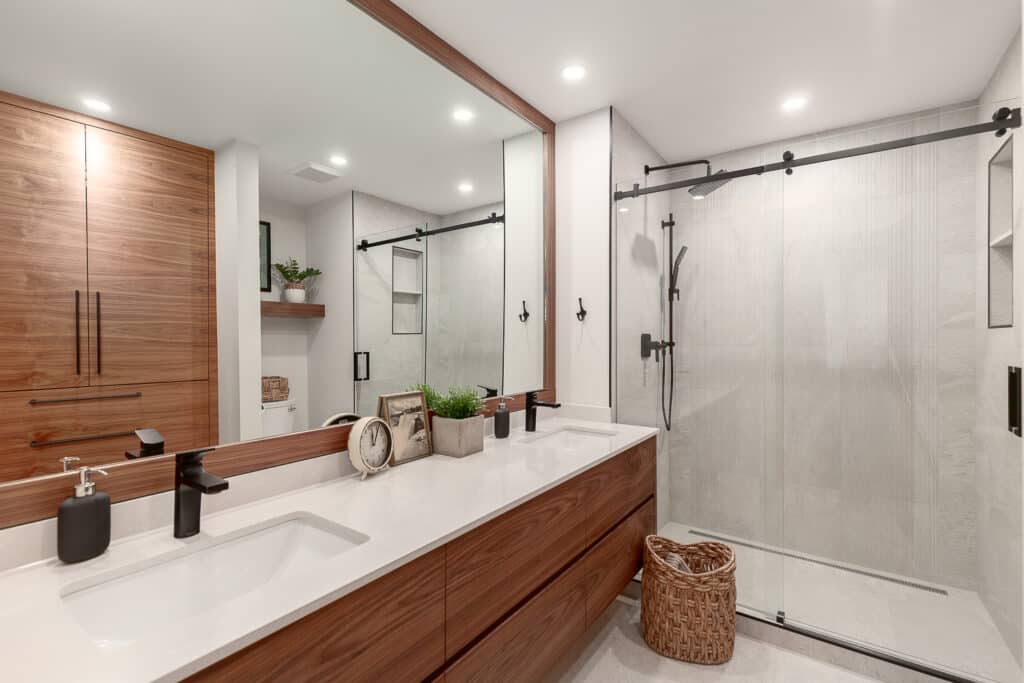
<point>613,562</point>
<point>617,486</point>
<point>29,500</point>
<point>391,630</point>
<point>178,410</point>
<point>531,640</point>
<point>494,567</point>
<point>212,372</point>
<point>283,309</point>
<point>84,119</point>
<point>42,250</point>
<point>148,260</point>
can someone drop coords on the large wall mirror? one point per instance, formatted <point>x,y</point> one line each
<point>336,134</point>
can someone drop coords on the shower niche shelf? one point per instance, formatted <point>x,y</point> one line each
<point>406,291</point>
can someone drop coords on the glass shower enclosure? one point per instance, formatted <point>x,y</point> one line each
<point>838,398</point>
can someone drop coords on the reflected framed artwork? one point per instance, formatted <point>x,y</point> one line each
<point>407,415</point>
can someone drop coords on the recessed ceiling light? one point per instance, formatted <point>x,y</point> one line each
<point>465,188</point>
<point>463,115</point>
<point>96,105</point>
<point>794,103</point>
<point>697,196</point>
<point>623,209</point>
<point>339,160</point>
<point>573,73</point>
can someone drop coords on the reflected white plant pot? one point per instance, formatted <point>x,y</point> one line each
<point>295,293</point>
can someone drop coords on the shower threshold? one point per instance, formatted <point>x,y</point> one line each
<point>893,617</point>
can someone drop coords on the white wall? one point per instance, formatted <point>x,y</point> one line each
<point>582,176</point>
<point>285,341</point>
<point>524,263</point>
<point>638,252</point>
<point>329,237</point>
<point>236,176</point>
<point>998,467</point>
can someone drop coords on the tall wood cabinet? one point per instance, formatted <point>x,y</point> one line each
<point>106,299</point>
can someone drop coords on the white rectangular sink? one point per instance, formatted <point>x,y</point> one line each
<point>570,438</point>
<point>124,605</point>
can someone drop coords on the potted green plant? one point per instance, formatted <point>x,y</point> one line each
<point>458,422</point>
<point>294,279</point>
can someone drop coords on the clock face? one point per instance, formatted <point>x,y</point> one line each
<point>375,444</point>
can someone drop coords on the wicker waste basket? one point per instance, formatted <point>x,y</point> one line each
<point>691,617</point>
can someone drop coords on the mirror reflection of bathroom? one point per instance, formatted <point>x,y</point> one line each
<point>1000,236</point>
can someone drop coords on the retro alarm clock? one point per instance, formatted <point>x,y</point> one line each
<point>370,445</point>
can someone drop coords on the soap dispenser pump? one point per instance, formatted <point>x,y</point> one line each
<point>83,521</point>
<point>501,420</point>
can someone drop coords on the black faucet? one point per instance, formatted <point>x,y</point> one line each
<point>531,409</point>
<point>191,481</point>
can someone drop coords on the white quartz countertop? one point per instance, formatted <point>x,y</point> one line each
<point>406,512</point>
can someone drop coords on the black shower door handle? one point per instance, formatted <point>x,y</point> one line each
<point>1013,420</point>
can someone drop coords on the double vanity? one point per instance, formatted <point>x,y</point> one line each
<point>442,569</point>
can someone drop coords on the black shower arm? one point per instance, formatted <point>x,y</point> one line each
<point>679,164</point>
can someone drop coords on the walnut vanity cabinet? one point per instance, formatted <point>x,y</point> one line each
<point>502,602</point>
<point>106,249</point>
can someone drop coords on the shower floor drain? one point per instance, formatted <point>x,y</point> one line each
<point>825,563</point>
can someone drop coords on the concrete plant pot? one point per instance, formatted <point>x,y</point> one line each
<point>458,438</point>
<point>295,293</point>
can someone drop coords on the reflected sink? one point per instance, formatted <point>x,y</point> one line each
<point>124,605</point>
<point>570,438</point>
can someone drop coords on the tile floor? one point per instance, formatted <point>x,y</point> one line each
<point>952,631</point>
<point>615,652</point>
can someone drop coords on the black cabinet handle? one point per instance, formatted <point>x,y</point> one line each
<point>72,399</point>
<point>76,439</point>
<point>1013,421</point>
<point>78,333</point>
<point>99,347</point>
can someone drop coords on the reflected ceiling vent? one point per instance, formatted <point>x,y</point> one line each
<point>317,173</point>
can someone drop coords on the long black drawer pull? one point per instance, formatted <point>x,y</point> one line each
<point>71,399</point>
<point>99,348</point>
<point>1013,400</point>
<point>76,439</point>
<point>78,333</point>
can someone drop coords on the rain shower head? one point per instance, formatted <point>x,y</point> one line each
<point>704,189</point>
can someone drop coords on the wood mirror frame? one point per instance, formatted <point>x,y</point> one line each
<point>30,500</point>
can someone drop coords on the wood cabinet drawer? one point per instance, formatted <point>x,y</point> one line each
<point>391,630</point>
<point>527,644</point>
<point>494,567</point>
<point>617,486</point>
<point>612,563</point>
<point>96,424</point>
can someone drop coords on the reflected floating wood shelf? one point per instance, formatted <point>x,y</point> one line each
<point>283,309</point>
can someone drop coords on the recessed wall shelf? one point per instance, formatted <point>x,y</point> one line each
<point>1004,240</point>
<point>408,292</point>
<point>283,309</point>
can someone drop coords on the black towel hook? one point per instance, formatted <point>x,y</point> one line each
<point>525,315</point>
<point>581,314</point>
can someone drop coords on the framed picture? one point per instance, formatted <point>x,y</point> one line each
<point>265,256</point>
<point>409,420</point>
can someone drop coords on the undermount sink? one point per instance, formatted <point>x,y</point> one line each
<point>570,437</point>
<point>124,605</point>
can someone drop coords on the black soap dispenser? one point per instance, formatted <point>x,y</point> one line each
<point>83,521</point>
<point>501,416</point>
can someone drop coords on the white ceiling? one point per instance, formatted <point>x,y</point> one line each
<point>302,80</point>
<point>698,78</point>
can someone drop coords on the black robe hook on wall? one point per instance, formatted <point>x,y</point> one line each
<point>525,315</point>
<point>581,314</point>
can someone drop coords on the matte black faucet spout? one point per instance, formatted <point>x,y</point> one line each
<point>532,403</point>
<point>191,481</point>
